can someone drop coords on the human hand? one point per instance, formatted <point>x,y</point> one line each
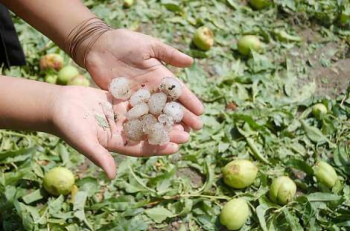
<point>85,119</point>
<point>139,57</point>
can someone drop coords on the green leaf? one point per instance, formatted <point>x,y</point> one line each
<point>313,133</point>
<point>102,122</point>
<point>301,165</point>
<point>34,196</point>
<point>293,221</point>
<point>260,212</point>
<point>158,214</point>
<point>89,185</point>
<point>172,5</point>
<point>318,196</point>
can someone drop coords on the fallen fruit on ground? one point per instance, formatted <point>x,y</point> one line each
<point>282,190</point>
<point>58,181</point>
<point>234,214</point>
<point>79,80</point>
<point>259,4</point>
<point>128,3</point>
<point>249,43</point>
<point>203,38</point>
<point>51,79</point>
<point>239,173</point>
<point>66,74</point>
<point>325,174</point>
<point>319,110</point>
<point>51,61</point>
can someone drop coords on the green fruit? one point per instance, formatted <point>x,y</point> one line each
<point>325,174</point>
<point>260,4</point>
<point>51,61</point>
<point>319,110</point>
<point>234,214</point>
<point>203,38</point>
<point>239,173</point>
<point>51,79</point>
<point>79,80</point>
<point>248,43</point>
<point>59,181</point>
<point>66,74</point>
<point>128,3</point>
<point>282,190</point>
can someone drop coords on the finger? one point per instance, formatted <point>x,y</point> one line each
<point>179,137</point>
<point>144,149</point>
<point>170,55</point>
<point>101,157</point>
<point>192,120</point>
<point>186,127</point>
<point>107,109</point>
<point>178,127</point>
<point>190,101</point>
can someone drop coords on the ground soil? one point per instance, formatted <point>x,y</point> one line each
<point>333,79</point>
<point>195,177</point>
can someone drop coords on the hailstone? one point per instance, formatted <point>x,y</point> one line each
<point>137,111</point>
<point>120,88</point>
<point>172,87</point>
<point>174,110</point>
<point>156,103</point>
<point>141,96</point>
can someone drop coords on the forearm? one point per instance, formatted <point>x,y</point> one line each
<point>26,104</point>
<point>56,19</point>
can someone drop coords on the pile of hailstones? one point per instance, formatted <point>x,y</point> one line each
<point>152,114</point>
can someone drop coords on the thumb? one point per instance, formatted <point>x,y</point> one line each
<point>170,55</point>
<point>101,157</point>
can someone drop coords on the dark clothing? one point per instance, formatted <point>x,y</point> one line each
<point>11,53</point>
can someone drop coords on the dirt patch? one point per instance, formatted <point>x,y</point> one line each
<point>172,226</point>
<point>194,176</point>
<point>332,81</point>
<point>328,66</point>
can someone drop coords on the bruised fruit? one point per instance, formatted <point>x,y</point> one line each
<point>259,4</point>
<point>325,174</point>
<point>249,43</point>
<point>203,38</point>
<point>319,110</point>
<point>239,173</point>
<point>79,80</point>
<point>66,74</point>
<point>51,79</point>
<point>59,181</point>
<point>282,190</point>
<point>51,61</point>
<point>234,214</point>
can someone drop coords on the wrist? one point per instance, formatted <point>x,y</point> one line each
<point>83,37</point>
<point>52,94</point>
